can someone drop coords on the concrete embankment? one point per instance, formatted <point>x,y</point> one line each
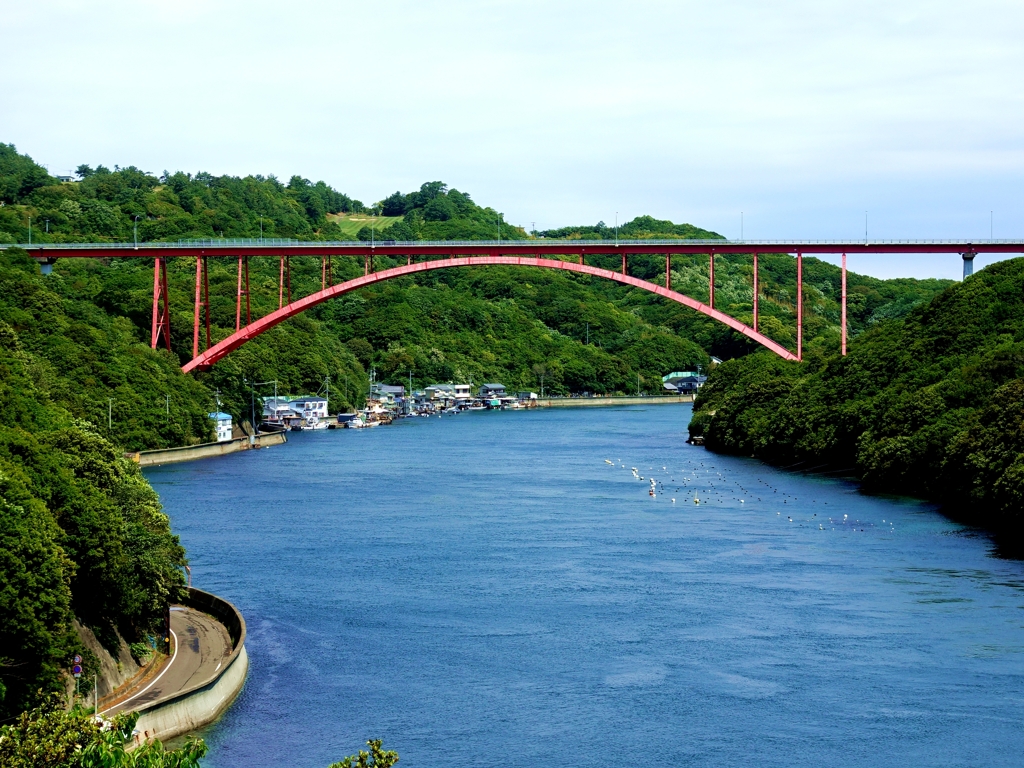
<point>203,702</point>
<point>577,402</point>
<point>205,450</point>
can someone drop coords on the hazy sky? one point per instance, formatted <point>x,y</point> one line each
<point>802,115</point>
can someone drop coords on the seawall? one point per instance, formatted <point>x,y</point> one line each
<point>204,450</point>
<point>192,708</point>
<point>579,402</point>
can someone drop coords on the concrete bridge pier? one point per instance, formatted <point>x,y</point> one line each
<point>968,258</point>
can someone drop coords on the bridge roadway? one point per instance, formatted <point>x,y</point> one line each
<point>437,249</point>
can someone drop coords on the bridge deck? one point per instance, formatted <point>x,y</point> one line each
<point>239,247</point>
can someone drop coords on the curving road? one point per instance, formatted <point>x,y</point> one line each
<point>201,648</point>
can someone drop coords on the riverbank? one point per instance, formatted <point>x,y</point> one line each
<point>579,402</point>
<point>205,450</point>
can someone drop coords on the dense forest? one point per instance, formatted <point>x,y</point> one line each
<point>83,533</point>
<point>930,405</point>
<point>520,327</point>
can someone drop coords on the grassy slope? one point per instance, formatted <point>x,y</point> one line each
<point>351,223</point>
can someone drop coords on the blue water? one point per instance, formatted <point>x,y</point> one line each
<point>484,590</point>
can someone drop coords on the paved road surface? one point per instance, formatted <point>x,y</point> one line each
<point>202,646</point>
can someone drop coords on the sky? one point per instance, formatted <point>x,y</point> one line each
<point>798,117</point>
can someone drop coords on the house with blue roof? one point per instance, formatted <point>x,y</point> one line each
<point>224,426</point>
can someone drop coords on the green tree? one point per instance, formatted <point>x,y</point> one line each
<point>377,757</point>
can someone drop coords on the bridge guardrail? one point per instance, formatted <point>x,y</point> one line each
<point>544,243</point>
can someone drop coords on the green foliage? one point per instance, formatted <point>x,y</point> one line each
<point>375,758</point>
<point>640,228</point>
<point>19,175</point>
<point>82,535</point>
<point>93,361</point>
<point>928,405</point>
<point>50,737</point>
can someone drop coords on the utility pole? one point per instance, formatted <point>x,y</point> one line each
<point>638,385</point>
<point>588,334</point>
<point>30,230</point>
<point>110,414</point>
<point>167,406</point>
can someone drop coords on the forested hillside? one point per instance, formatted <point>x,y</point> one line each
<point>511,325</point>
<point>82,532</point>
<point>930,405</point>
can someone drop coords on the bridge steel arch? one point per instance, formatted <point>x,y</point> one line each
<point>215,353</point>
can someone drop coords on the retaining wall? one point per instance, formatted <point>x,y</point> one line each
<point>200,705</point>
<point>577,402</point>
<point>204,450</point>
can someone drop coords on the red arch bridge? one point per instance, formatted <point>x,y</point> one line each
<point>569,255</point>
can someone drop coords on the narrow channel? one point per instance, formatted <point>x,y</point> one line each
<point>487,590</point>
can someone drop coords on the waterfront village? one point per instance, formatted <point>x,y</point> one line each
<point>387,402</point>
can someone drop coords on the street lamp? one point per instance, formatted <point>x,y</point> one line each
<point>136,233</point>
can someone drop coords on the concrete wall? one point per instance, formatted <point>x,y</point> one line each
<point>193,708</point>
<point>577,402</point>
<point>204,450</point>
<point>190,713</point>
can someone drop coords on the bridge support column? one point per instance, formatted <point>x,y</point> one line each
<point>623,265</point>
<point>844,305</point>
<point>280,286</point>
<point>408,262</point>
<point>243,273</point>
<point>202,300</point>
<point>161,308</point>
<point>711,280</point>
<point>968,263</point>
<point>668,271</point>
<point>756,289</point>
<point>366,264</point>
<point>799,306</point>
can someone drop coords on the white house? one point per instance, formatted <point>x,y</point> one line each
<point>223,421</point>
<point>310,406</point>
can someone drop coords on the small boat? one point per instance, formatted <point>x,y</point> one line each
<point>313,422</point>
